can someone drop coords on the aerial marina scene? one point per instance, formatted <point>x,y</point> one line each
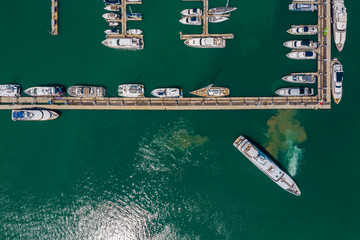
<point>124,119</point>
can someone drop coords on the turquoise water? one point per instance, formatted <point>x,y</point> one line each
<point>172,175</point>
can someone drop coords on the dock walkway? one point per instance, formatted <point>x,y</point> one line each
<point>54,17</point>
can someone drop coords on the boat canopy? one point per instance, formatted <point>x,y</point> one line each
<point>309,54</point>
<point>306,29</point>
<point>18,114</point>
<point>305,42</point>
<point>339,77</point>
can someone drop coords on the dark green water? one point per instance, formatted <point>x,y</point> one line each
<point>173,175</point>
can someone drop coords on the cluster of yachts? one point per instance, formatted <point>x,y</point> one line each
<point>113,18</point>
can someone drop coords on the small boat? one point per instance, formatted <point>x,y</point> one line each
<point>191,20</point>
<point>86,91</point>
<point>50,91</point>
<point>133,0</point>
<point>337,75</point>
<point>266,165</point>
<point>131,90</point>
<point>339,23</point>
<point>134,16</point>
<point>300,78</point>
<point>124,43</point>
<point>303,30</point>
<point>113,24</point>
<point>112,2</point>
<point>134,32</point>
<point>211,91</point>
<point>167,92</point>
<point>113,8</point>
<point>9,90</point>
<point>302,7</point>
<point>295,92</point>
<point>194,12</point>
<point>221,10</point>
<point>111,16</point>
<point>206,42</point>
<point>301,55</point>
<point>112,31</point>
<point>301,44</point>
<point>217,19</point>
<point>33,115</point>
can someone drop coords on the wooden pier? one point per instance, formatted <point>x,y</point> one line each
<point>54,17</point>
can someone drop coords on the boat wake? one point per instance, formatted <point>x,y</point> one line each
<point>294,155</point>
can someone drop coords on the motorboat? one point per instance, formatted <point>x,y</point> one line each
<point>221,10</point>
<point>86,91</point>
<point>193,12</point>
<point>112,2</point>
<point>113,24</point>
<point>112,31</point>
<point>111,16</point>
<point>301,44</point>
<point>191,21</point>
<point>113,8</point>
<point>300,78</point>
<point>134,32</point>
<point>206,42</point>
<point>167,92</point>
<point>339,23</point>
<point>301,55</point>
<point>303,7</point>
<point>46,91</point>
<point>124,43</point>
<point>131,90</point>
<point>134,16</point>
<point>9,90</point>
<point>337,75</point>
<point>211,91</point>
<point>295,92</point>
<point>217,19</point>
<point>33,115</point>
<point>303,30</point>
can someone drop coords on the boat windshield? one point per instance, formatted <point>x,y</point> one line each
<point>306,29</point>
<point>302,91</point>
<point>339,77</point>
<point>193,19</point>
<point>309,54</point>
<point>195,10</point>
<point>305,43</point>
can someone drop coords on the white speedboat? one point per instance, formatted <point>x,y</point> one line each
<point>295,92</point>
<point>112,31</point>
<point>300,55</point>
<point>339,23</point>
<point>86,91</point>
<point>206,42</point>
<point>9,90</point>
<point>221,10</point>
<point>112,2</point>
<point>113,24</point>
<point>111,16</point>
<point>194,12</point>
<point>337,75</point>
<point>300,78</point>
<point>217,19</point>
<point>131,90</point>
<point>303,30</point>
<point>302,7</point>
<point>124,43</point>
<point>167,92</point>
<point>301,44</point>
<point>33,115</point>
<point>266,165</point>
<point>112,7</point>
<point>134,32</point>
<point>51,91</point>
<point>191,20</point>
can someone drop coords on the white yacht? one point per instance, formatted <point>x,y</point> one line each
<point>124,43</point>
<point>339,23</point>
<point>113,24</point>
<point>9,90</point>
<point>303,30</point>
<point>134,32</point>
<point>194,12</point>
<point>300,78</point>
<point>50,91</point>
<point>301,55</point>
<point>295,92</point>
<point>86,91</point>
<point>111,16</point>
<point>206,42</point>
<point>302,7</point>
<point>191,20</point>
<point>112,7</point>
<point>301,44</point>
<point>131,90</point>
<point>167,92</point>
<point>266,165</point>
<point>217,19</point>
<point>112,31</point>
<point>337,75</point>
<point>33,115</point>
<point>221,10</point>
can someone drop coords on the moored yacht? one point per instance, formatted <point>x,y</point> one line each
<point>9,90</point>
<point>124,43</point>
<point>113,8</point>
<point>295,92</point>
<point>33,115</point>
<point>134,32</point>
<point>301,44</point>
<point>191,20</point>
<point>131,90</point>
<point>113,24</point>
<point>211,91</point>
<point>339,23</point>
<point>111,16</point>
<point>337,75</point>
<point>167,92</point>
<point>266,165</point>
<point>300,78</point>
<point>134,16</point>
<point>301,55</point>
<point>86,91</point>
<point>194,12</point>
<point>302,7</point>
<point>217,19</point>
<point>206,42</point>
<point>113,2</point>
<point>303,30</point>
<point>46,91</point>
<point>112,31</point>
<point>221,10</point>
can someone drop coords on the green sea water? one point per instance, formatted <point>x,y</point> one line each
<point>173,174</point>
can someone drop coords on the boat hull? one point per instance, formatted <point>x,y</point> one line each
<point>131,90</point>
<point>339,13</point>
<point>294,92</point>
<point>205,42</point>
<point>55,91</point>
<point>10,90</point>
<point>336,88</point>
<point>33,115</point>
<point>211,92</point>
<point>300,78</point>
<point>86,91</point>
<point>167,93</point>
